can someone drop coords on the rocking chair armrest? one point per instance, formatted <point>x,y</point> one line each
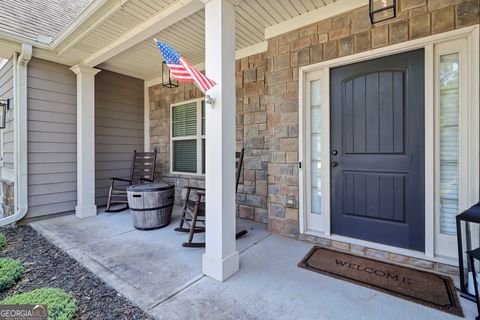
<point>195,188</point>
<point>145,179</point>
<point>198,190</point>
<point>120,179</point>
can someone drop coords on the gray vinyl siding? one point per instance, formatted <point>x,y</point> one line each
<point>119,126</point>
<point>52,127</point>
<point>6,92</point>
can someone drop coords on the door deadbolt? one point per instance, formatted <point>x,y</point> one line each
<point>334,152</point>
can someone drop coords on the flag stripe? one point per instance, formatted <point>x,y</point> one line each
<point>197,79</point>
<point>195,74</point>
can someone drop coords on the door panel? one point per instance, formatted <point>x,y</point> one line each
<point>369,128</point>
<point>377,156</point>
<point>374,195</point>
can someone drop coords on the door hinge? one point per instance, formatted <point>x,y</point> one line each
<point>300,165</point>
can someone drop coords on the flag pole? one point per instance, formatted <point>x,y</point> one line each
<point>209,100</point>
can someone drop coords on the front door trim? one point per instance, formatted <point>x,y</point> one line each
<point>322,69</point>
<point>377,128</point>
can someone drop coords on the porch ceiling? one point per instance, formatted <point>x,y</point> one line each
<point>187,35</point>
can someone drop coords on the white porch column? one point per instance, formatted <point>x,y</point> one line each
<point>221,259</point>
<point>85,141</point>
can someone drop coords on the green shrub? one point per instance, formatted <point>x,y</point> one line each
<point>10,271</point>
<point>3,241</point>
<point>60,304</point>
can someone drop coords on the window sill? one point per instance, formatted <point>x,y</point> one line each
<point>184,175</point>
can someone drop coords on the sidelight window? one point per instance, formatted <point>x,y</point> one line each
<point>315,144</point>
<point>453,142</point>
<point>448,99</point>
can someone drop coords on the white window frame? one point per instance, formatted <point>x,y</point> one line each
<point>198,137</point>
<point>315,219</point>
<point>470,164</point>
<point>445,245</point>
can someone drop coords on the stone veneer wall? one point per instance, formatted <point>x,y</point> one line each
<point>338,36</point>
<point>267,106</point>
<point>8,197</point>
<point>160,100</point>
<point>251,133</point>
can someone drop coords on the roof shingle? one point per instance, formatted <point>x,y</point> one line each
<point>30,18</point>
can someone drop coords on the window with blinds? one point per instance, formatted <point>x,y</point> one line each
<point>449,141</point>
<point>315,145</point>
<point>188,137</point>
<point>184,120</point>
<point>185,156</point>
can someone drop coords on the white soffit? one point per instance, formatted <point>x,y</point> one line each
<point>187,36</point>
<point>256,21</point>
<point>147,27</point>
<point>118,23</point>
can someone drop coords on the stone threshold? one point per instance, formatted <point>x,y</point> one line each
<point>382,255</point>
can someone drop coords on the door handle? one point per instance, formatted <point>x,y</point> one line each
<point>334,164</point>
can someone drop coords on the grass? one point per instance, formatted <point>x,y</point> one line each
<point>10,271</point>
<point>3,241</point>
<point>60,304</point>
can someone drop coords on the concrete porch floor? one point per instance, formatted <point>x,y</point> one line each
<point>155,272</point>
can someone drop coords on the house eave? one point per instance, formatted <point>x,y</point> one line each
<point>18,40</point>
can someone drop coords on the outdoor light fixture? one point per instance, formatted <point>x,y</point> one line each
<point>381,10</point>
<point>167,80</point>
<point>4,106</point>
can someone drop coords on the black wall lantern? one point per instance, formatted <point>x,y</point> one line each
<point>4,106</point>
<point>167,80</point>
<point>381,10</point>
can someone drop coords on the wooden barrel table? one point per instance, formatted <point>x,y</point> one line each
<point>151,204</point>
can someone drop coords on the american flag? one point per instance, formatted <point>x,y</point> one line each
<point>181,70</point>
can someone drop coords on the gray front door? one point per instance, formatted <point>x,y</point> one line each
<point>377,150</point>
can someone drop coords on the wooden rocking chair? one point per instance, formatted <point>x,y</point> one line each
<point>143,169</point>
<point>194,209</point>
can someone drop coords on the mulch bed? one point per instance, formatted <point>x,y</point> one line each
<point>47,266</point>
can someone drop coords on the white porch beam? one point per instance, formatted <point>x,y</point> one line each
<point>162,20</point>
<point>221,259</point>
<point>100,10</point>
<point>85,141</point>
<point>313,16</point>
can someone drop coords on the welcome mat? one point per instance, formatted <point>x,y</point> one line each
<point>418,286</point>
